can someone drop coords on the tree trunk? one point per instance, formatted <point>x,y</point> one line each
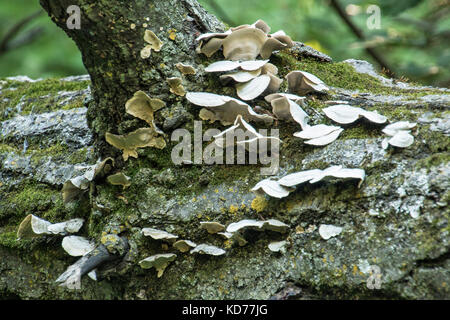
<point>110,38</point>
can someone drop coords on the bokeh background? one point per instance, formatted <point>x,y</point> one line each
<point>413,40</point>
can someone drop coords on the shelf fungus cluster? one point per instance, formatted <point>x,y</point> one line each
<point>143,107</point>
<point>282,187</point>
<point>153,44</point>
<point>245,42</point>
<point>399,134</point>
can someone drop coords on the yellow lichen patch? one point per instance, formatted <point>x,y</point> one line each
<point>299,230</point>
<point>172,34</point>
<point>259,204</point>
<point>233,209</point>
<point>141,138</point>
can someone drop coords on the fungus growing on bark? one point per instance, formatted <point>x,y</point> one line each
<point>319,135</point>
<point>260,225</point>
<point>184,245</point>
<point>141,138</point>
<point>185,69</point>
<point>77,246</point>
<point>212,227</point>
<point>278,246</point>
<point>345,114</point>
<point>158,234</point>
<point>302,82</point>
<point>208,250</point>
<point>224,108</point>
<point>400,134</point>
<point>143,107</point>
<point>271,188</point>
<point>176,86</point>
<point>153,44</point>
<point>328,231</point>
<point>33,226</point>
<point>119,179</point>
<point>286,109</point>
<point>158,261</point>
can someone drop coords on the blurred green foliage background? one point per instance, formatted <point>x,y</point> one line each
<point>413,39</point>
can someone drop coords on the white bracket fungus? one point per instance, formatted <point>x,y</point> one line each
<point>212,227</point>
<point>328,231</point>
<point>278,246</point>
<point>77,246</point>
<point>319,135</point>
<point>286,109</point>
<point>32,227</point>
<point>225,109</point>
<point>158,261</point>
<point>282,187</point>
<point>184,245</point>
<point>345,114</point>
<point>141,138</point>
<point>260,225</point>
<point>208,250</point>
<point>302,82</point>
<point>158,234</point>
<point>399,133</point>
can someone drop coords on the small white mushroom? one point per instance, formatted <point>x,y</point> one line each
<point>399,133</point>
<point>244,44</point>
<point>302,82</point>
<point>328,231</point>
<point>212,227</point>
<point>402,139</point>
<point>393,128</point>
<point>275,225</point>
<point>33,226</point>
<point>63,228</point>
<point>184,245</point>
<point>159,261</point>
<point>254,88</point>
<point>297,99</point>
<point>208,250</point>
<point>319,135</point>
<point>271,188</point>
<point>77,246</point>
<point>226,109</point>
<point>345,114</point>
<point>294,179</point>
<point>240,76</point>
<point>244,224</point>
<point>278,246</point>
<point>286,109</point>
<point>158,234</point>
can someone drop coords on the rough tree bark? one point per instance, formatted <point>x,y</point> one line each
<point>111,47</point>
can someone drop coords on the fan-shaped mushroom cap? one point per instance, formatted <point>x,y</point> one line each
<point>346,114</point>
<point>32,227</point>
<point>271,45</point>
<point>63,228</point>
<point>286,109</point>
<point>328,231</point>
<point>326,139</point>
<point>158,234</point>
<point>142,106</point>
<point>158,261</point>
<point>226,109</point>
<point>227,65</point>
<point>244,44</point>
<point>319,135</point>
<point>212,227</point>
<point>176,86</point>
<point>244,224</point>
<point>77,246</point>
<point>401,139</point>
<point>302,82</point>
<point>294,179</point>
<point>185,68</point>
<point>297,99</point>
<point>272,188</point>
<point>184,245</point>
<point>208,249</point>
<point>240,76</point>
<point>211,46</point>
<point>275,225</point>
<point>154,42</point>
<point>120,179</point>
<point>141,138</point>
<point>278,246</point>
<point>393,128</point>
<point>254,88</point>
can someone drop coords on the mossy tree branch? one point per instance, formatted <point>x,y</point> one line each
<point>110,40</point>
